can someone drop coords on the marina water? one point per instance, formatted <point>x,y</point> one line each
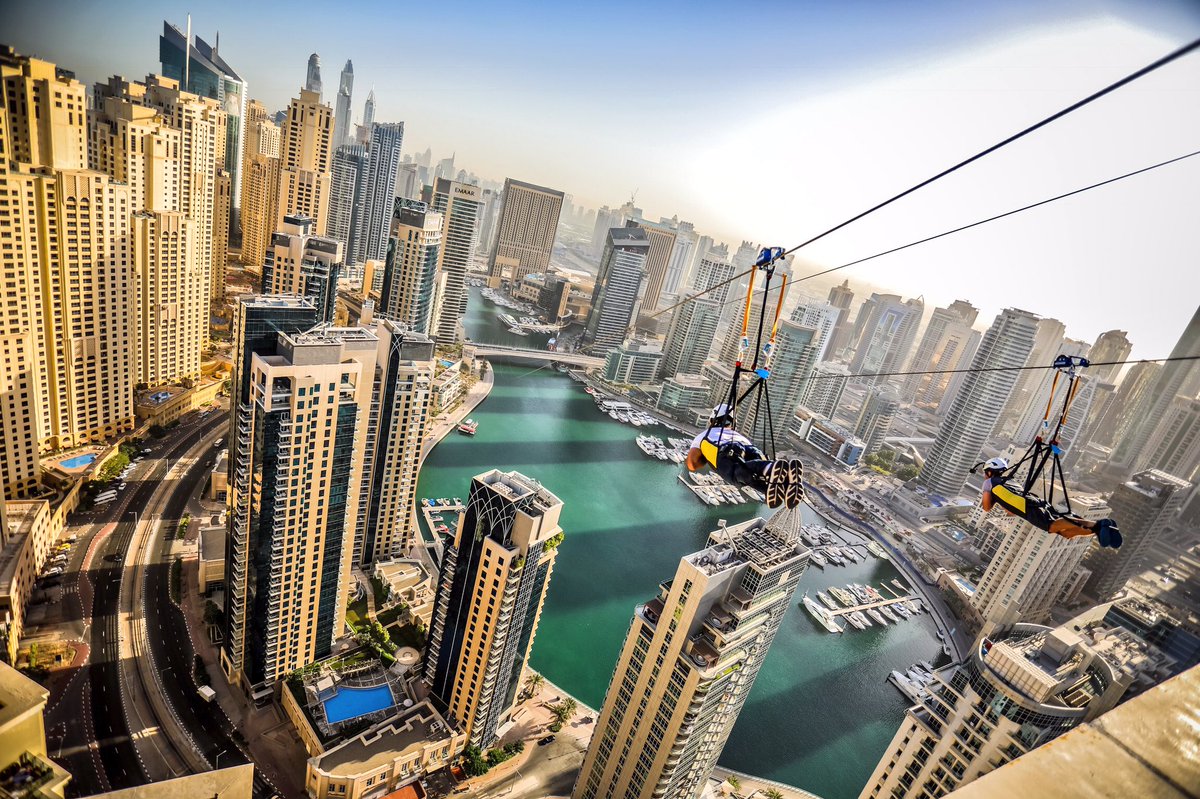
<point>821,712</point>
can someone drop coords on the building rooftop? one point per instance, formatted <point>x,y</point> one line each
<point>19,696</point>
<point>233,782</point>
<point>407,732</point>
<point>1054,667</point>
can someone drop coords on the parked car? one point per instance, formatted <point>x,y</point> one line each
<point>549,739</point>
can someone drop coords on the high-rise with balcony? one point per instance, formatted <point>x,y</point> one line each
<point>694,324</point>
<point>618,288</point>
<point>371,236</point>
<point>525,230</point>
<point>460,205</point>
<point>1022,686</point>
<point>392,450</point>
<point>1142,505</point>
<point>978,402</point>
<point>341,116</point>
<point>172,297</point>
<point>796,349</point>
<point>296,460</point>
<point>876,416</point>
<point>840,297</point>
<point>1047,341</point>
<point>66,325</point>
<point>493,581</point>
<point>821,317</point>
<point>824,392</point>
<point>306,161</point>
<point>303,264</point>
<point>260,183</point>
<point>887,335</point>
<point>410,274</point>
<point>661,241</point>
<point>348,196</point>
<point>688,662</point>
<point>945,346</point>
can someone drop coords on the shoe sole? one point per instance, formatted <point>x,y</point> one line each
<point>777,484</point>
<point>795,486</point>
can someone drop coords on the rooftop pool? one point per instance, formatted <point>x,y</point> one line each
<point>79,461</point>
<point>350,703</point>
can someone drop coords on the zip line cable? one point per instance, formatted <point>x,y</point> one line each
<point>1146,70</point>
<point>989,219</point>
<point>997,368</point>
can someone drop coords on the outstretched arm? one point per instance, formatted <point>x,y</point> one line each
<point>695,459</point>
<point>985,500</point>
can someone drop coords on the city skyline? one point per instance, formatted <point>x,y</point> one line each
<point>999,68</point>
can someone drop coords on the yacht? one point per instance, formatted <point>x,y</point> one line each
<point>468,427</point>
<point>877,616</point>
<point>887,614</point>
<point>817,559</point>
<point>862,619</point>
<point>827,600</point>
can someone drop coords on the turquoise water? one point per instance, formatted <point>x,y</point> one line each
<point>79,460</point>
<point>820,714</point>
<point>350,703</point>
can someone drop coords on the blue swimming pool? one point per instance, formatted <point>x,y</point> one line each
<point>350,703</point>
<point>79,461</point>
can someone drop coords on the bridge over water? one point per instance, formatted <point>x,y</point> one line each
<point>545,356</point>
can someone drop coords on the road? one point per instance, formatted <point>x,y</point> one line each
<point>86,723</point>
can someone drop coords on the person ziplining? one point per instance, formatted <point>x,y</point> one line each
<point>732,454</point>
<point>1023,502</point>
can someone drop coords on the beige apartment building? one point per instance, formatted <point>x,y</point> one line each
<point>301,263</point>
<point>525,231</point>
<point>23,748</point>
<point>461,207</point>
<point>296,459</point>
<point>410,274</point>
<point>67,269</point>
<point>689,661</point>
<point>222,208</point>
<point>260,183</point>
<point>306,161</point>
<point>400,409</point>
<point>1022,686</point>
<point>490,593</point>
<point>662,242</point>
<point>172,297</point>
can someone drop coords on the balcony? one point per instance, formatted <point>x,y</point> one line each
<point>719,619</point>
<point>652,611</point>
<point>702,651</point>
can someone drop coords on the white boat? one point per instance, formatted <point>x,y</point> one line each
<point>817,559</point>
<point>877,616</point>
<point>889,615</point>
<point>820,615</point>
<point>827,600</point>
<point>862,619</point>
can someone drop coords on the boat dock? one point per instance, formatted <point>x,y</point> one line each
<point>431,510</point>
<point>821,614</point>
<point>872,605</point>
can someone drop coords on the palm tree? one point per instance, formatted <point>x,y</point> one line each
<point>772,793</point>
<point>564,710</point>
<point>533,682</point>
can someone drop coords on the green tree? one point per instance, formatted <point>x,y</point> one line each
<point>908,471</point>
<point>473,762</point>
<point>734,782</point>
<point>564,710</point>
<point>772,793</point>
<point>534,683</point>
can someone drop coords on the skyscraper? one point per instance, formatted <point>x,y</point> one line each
<point>411,269</point>
<point>399,411</point>
<point>260,183</point>
<point>796,348</point>
<point>1046,343</point>
<point>887,335</point>
<point>661,239</point>
<point>1175,446</point>
<point>493,581</point>
<point>347,197</point>
<point>1134,392</point>
<point>460,205</point>
<point>371,238</point>
<point>1174,379</point>
<point>222,208</point>
<point>1039,386</point>
<point>875,417</point>
<point>840,297</point>
<point>978,402</point>
<point>618,286</point>
<point>694,324</point>
<point>66,325</point>
<point>369,110</point>
<point>1113,345</point>
<point>258,324</point>
<point>824,392</point>
<point>1021,687</point>
<point>683,257</point>
<point>209,75</point>
<point>304,265</point>
<point>306,160</point>
<point>688,662</point>
<point>172,293</point>
<point>341,114</point>
<point>941,348</point>
<point>526,229</point>
<point>1030,568</point>
<point>821,317</point>
<point>312,78</point>
<point>1142,506</point>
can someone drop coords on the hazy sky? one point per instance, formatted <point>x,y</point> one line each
<point>771,122</point>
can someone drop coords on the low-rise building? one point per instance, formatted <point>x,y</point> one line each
<point>232,782</point>
<point>26,769</point>
<point>162,405</point>
<point>633,363</point>
<point>218,477</point>
<point>408,583</point>
<point>24,545</point>
<point>386,757</point>
<point>212,558</point>
<point>683,396</point>
<point>825,436</point>
<point>448,385</point>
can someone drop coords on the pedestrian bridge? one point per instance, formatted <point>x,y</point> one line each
<point>546,356</point>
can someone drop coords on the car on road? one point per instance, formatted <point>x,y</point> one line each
<point>549,739</point>
<point>54,571</point>
<point>218,442</point>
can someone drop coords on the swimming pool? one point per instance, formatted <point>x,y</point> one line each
<point>350,703</point>
<point>79,461</point>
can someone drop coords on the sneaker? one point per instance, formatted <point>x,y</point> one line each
<point>1107,534</point>
<point>777,483</point>
<point>795,487</point>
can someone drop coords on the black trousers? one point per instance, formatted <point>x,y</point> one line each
<point>742,464</point>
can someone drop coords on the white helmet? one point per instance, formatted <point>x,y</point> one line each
<point>996,464</point>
